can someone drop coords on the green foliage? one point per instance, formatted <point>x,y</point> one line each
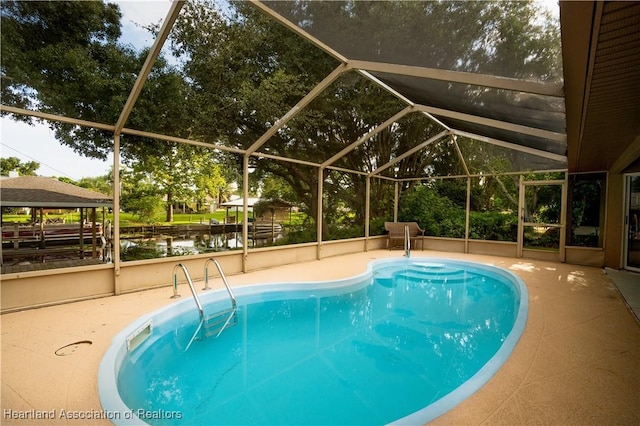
<point>543,203</point>
<point>184,173</point>
<point>66,60</point>
<point>376,225</point>
<point>586,192</point>
<point>140,196</point>
<point>439,209</point>
<point>276,188</point>
<point>436,214</point>
<point>101,184</point>
<point>208,182</point>
<point>301,233</point>
<point>147,208</point>
<point>140,251</point>
<point>493,226</point>
<point>68,42</point>
<point>343,230</point>
<point>534,239</point>
<point>9,164</point>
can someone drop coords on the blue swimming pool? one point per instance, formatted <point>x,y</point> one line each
<point>404,342</point>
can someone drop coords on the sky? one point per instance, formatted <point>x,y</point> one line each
<point>37,143</point>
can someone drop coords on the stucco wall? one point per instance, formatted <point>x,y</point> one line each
<point>493,248</point>
<point>40,288</point>
<point>614,224</point>
<point>585,256</point>
<point>52,286</point>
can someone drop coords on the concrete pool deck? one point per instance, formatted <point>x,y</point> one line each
<point>577,362</point>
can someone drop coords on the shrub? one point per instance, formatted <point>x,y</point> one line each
<point>493,226</point>
<point>436,214</point>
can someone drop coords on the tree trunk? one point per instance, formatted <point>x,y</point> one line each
<point>169,207</point>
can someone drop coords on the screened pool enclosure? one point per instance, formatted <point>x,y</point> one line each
<point>450,114</point>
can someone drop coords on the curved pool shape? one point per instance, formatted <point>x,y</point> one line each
<point>402,343</point>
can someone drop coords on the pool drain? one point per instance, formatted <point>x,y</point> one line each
<point>72,347</point>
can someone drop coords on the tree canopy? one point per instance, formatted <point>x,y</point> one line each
<point>235,72</point>
<point>9,164</point>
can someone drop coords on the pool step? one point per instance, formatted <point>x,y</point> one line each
<point>433,274</point>
<point>459,277</point>
<point>214,324</point>
<point>384,276</point>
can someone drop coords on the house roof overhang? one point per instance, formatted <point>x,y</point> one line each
<point>601,56</point>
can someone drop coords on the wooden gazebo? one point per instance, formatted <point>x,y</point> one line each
<point>39,240</point>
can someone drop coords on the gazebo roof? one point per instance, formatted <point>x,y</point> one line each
<point>239,202</point>
<point>37,191</point>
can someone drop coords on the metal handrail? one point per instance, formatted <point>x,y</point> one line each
<point>407,242</point>
<point>224,280</point>
<point>193,290</point>
<point>195,297</point>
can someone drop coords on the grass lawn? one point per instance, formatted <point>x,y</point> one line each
<point>128,219</point>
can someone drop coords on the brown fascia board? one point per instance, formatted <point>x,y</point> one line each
<point>576,24</point>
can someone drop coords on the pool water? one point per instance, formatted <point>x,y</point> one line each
<point>381,348</point>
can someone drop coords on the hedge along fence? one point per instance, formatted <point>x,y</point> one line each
<point>439,207</point>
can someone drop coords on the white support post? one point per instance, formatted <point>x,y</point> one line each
<point>466,227</point>
<point>396,199</point>
<point>320,213</point>
<point>563,219</point>
<point>115,241</point>
<point>521,201</point>
<point>245,208</point>
<point>367,212</point>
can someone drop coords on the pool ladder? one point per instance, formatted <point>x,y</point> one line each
<point>407,242</point>
<point>213,324</point>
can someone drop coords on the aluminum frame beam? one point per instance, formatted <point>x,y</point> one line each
<point>518,128</point>
<point>297,108</point>
<point>363,67</point>
<point>485,80</point>
<point>165,29</point>
<point>134,132</point>
<point>369,135</point>
<point>386,87</point>
<point>528,86</point>
<point>296,29</point>
<point>460,156</point>
<point>409,153</point>
<point>473,175</point>
<point>521,148</point>
<point>59,118</point>
<point>400,96</point>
